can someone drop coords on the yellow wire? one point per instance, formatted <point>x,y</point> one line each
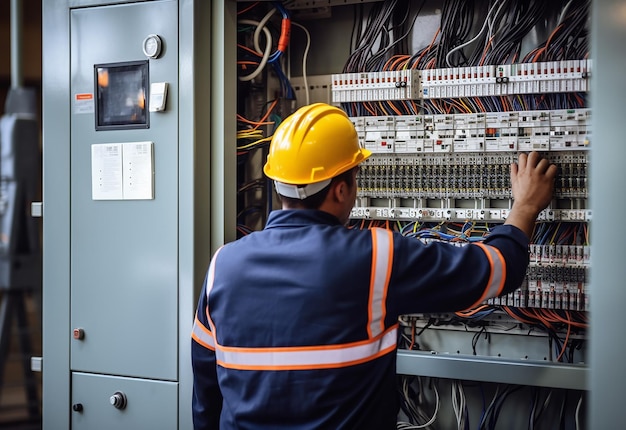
<point>256,142</point>
<point>249,134</point>
<point>554,235</point>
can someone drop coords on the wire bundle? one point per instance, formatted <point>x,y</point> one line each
<point>414,400</point>
<point>460,41</point>
<point>459,405</point>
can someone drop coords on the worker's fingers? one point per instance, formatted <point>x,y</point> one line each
<point>514,170</point>
<point>552,171</point>
<point>533,163</point>
<point>521,161</point>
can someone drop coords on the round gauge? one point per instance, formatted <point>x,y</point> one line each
<point>152,46</point>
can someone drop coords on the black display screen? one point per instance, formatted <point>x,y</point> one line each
<point>121,95</point>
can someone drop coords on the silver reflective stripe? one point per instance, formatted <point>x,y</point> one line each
<point>498,272</point>
<point>197,326</point>
<point>211,276</point>
<point>382,247</point>
<point>300,192</point>
<point>307,357</point>
<point>202,335</point>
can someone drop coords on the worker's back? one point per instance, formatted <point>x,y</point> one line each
<point>303,286</point>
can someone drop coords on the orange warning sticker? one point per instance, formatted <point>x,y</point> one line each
<point>84,96</point>
<point>83,103</point>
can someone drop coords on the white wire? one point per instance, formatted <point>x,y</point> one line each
<point>266,53</point>
<point>455,405</point>
<point>564,12</point>
<point>304,59</point>
<point>456,48</point>
<point>410,404</point>
<point>409,426</point>
<point>458,403</point>
<point>580,402</point>
<point>491,21</point>
<point>262,23</point>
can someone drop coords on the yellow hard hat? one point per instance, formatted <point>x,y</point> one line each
<point>314,144</point>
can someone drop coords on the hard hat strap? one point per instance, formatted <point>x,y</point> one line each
<point>300,192</point>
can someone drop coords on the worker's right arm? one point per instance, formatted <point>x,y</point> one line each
<point>532,184</point>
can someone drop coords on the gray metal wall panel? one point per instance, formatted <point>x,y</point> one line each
<point>146,408</point>
<point>124,255</point>
<point>608,176</point>
<point>56,221</point>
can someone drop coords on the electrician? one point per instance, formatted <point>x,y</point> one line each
<point>296,325</point>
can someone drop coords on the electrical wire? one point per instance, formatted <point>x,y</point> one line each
<point>285,31</point>
<point>304,61</point>
<point>577,414</point>
<point>265,53</point>
<point>459,405</point>
<point>410,426</point>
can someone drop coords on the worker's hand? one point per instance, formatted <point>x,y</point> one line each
<point>532,185</point>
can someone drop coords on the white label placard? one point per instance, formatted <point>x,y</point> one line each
<point>122,171</point>
<point>106,172</point>
<point>138,175</point>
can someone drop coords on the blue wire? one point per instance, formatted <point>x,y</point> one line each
<point>482,415</point>
<point>279,7</point>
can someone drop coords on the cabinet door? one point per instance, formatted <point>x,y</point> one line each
<point>124,253</point>
<point>145,404</point>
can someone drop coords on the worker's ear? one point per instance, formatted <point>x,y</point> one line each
<point>339,190</point>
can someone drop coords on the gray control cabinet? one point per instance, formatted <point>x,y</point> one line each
<point>136,198</point>
<point>124,257</point>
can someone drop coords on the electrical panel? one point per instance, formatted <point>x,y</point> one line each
<point>445,114</point>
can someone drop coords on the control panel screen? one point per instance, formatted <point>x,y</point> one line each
<point>121,92</point>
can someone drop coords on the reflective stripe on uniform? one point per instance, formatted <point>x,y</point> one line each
<point>211,275</point>
<point>380,341</point>
<point>202,335</point>
<point>497,274</point>
<point>382,259</point>
<point>307,357</point>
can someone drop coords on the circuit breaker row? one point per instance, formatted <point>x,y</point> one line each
<point>542,130</point>
<point>571,296</point>
<point>558,283</point>
<point>476,81</point>
<point>557,278</point>
<point>465,186</point>
<point>462,175</point>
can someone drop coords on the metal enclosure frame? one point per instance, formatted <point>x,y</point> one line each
<point>206,88</point>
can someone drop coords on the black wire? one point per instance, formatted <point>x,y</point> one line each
<point>377,16</point>
<point>476,338</point>
<point>562,411</point>
<point>499,402</point>
<point>521,17</point>
<point>457,18</point>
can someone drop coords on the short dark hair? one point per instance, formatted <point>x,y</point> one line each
<point>316,200</point>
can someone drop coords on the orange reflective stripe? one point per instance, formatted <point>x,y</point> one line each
<point>202,335</point>
<point>382,260</point>
<point>307,357</point>
<point>497,274</point>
